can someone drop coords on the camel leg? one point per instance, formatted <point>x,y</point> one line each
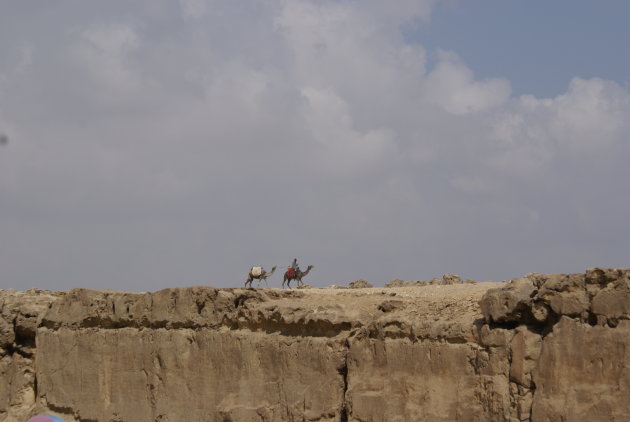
<point>266,284</point>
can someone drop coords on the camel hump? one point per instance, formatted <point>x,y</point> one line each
<point>256,271</point>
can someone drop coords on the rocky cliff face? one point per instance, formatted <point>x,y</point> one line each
<point>539,348</point>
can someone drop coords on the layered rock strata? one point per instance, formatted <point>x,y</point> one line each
<point>538,348</point>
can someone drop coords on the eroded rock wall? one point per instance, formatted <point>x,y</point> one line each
<point>538,348</point>
<point>20,315</point>
<point>576,364</point>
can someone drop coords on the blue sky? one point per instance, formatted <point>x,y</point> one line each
<point>160,143</point>
<point>538,45</point>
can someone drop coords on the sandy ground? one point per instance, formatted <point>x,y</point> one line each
<point>430,292</point>
<point>456,302</point>
<point>426,293</point>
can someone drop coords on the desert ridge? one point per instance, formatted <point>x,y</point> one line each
<point>527,349</point>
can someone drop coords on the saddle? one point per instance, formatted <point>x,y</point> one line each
<point>256,271</point>
<point>291,273</point>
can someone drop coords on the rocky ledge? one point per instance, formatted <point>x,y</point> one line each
<point>538,348</point>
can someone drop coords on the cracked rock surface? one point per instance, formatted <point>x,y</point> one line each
<point>539,348</point>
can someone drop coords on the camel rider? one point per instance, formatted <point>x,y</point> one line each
<point>295,266</point>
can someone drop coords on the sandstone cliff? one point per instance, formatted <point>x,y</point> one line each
<point>538,348</point>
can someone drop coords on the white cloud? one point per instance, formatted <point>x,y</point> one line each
<point>453,87</point>
<point>104,52</point>
<point>592,115</point>
<point>345,150</point>
<point>195,9</point>
<point>335,45</point>
<point>390,15</point>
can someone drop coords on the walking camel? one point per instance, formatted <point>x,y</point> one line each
<point>258,273</point>
<point>297,275</point>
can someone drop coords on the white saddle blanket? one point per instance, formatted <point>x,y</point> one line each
<point>257,271</point>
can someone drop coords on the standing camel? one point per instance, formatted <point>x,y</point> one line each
<point>291,274</point>
<point>258,273</point>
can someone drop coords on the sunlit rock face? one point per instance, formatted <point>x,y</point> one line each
<point>538,348</point>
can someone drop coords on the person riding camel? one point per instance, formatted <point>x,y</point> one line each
<point>294,269</point>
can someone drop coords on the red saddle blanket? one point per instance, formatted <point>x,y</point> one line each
<point>291,273</point>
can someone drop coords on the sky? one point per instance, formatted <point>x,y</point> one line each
<point>149,144</point>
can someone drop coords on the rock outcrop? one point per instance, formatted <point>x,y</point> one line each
<point>571,365</point>
<point>538,348</point>
<point>446,279</point>
<point>360,284</point>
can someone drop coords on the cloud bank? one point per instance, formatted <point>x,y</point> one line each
<point>166,144</point>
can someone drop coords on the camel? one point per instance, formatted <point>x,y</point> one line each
<point>297,275</point>
<point>258,273</point>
